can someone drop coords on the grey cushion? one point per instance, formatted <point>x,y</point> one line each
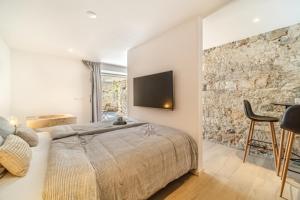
<point>2,171</point>
<point>1,140</point>
<point>28,135</point>
<point>5,127</point>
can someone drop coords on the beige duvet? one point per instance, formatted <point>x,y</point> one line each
<point>131,163</point>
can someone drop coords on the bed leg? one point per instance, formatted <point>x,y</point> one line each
<point>196,172</point>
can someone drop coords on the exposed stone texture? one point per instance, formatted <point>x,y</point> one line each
<point>263,69</point>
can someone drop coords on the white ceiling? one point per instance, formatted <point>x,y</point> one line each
<point>54,26</point>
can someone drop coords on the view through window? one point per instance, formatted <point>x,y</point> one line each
<point>114,95</point>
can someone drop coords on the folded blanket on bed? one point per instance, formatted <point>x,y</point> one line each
<point>89,129</point>
<point>131,163</point>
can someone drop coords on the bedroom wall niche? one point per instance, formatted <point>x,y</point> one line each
<point>262,69</point>
<point>177,50</point>
<point>250,53</point>
<point>45,84</point>
<point>5,80</point>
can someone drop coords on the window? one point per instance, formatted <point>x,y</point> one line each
<point>114,95</point>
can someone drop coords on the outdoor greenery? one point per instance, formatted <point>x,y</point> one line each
<point>114,94</point>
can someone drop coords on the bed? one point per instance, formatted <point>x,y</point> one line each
<point>128,162</point>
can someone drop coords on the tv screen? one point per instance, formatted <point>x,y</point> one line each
<point>154,91</point>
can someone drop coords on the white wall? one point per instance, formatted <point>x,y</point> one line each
<point>45,84</point>
<point>5,80</point>
<point>235,20</point>
<point>179,50</point>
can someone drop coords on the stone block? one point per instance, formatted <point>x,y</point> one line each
<point>273,35</point>
<point>230,85</point>
<point>261,81</point>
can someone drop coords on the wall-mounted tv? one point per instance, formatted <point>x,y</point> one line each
<point>155,91</point>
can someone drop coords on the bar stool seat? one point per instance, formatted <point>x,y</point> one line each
<point>259,118</point>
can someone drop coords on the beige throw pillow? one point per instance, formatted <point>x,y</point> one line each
<point>15,155</point>
<point>28,135</point>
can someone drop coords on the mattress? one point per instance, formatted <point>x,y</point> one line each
<point>31,186</point>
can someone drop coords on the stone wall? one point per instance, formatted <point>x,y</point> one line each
<point>263,69</point>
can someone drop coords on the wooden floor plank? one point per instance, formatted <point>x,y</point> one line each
<point>226,177</point>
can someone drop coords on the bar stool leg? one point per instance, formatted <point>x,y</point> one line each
<point>275,139</point>
<point>274,144</point>
<point>249,138</point>
<point>285,151</point>
<point>282,134</point>
<point>286,164</point>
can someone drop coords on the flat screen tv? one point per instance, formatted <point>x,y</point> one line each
<point>155,91</point>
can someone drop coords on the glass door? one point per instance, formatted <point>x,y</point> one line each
<point>114,96</point>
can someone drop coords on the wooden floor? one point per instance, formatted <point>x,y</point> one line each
<point>225,176</point>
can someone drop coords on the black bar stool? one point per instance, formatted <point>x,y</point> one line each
<point>258,118</point>
<point>290,122</point>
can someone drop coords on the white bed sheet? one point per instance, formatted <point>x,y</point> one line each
<point>29,187</point>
